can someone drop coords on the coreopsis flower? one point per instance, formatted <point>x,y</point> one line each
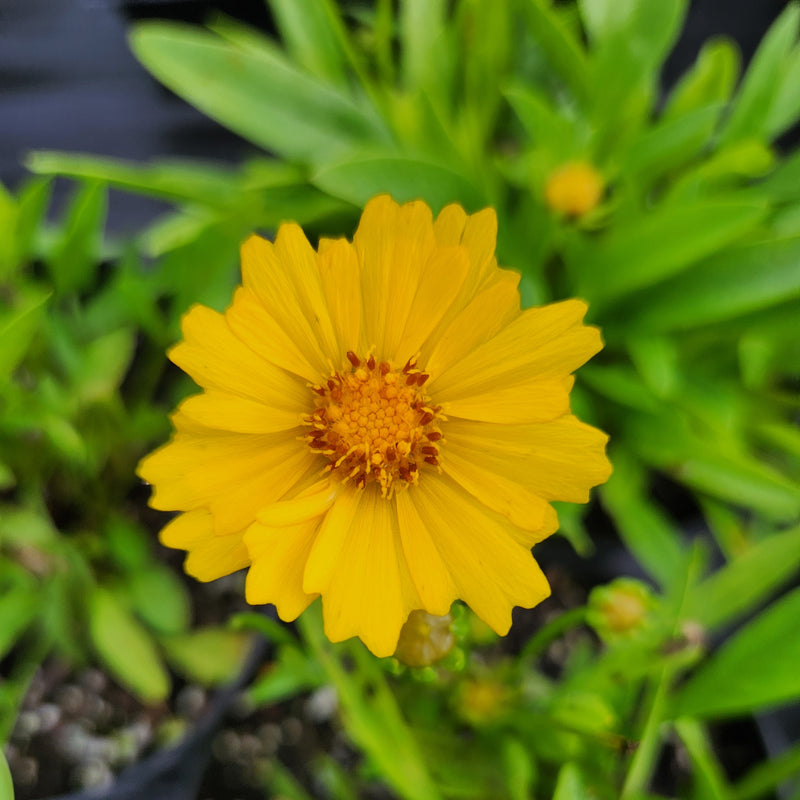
<point>380,424</point>
<point>575,188</point>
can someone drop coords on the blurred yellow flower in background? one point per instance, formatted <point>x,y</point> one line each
<point>380,424</point>
<point>574,188</point>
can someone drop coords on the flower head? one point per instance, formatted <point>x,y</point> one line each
<point>380,424</point>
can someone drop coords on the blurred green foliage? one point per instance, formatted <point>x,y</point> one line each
<point>690,264</point>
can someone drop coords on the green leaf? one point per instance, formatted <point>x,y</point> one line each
<point>24,527</point>
<point>671,143</point>
<point>403,178</point>
<point>7,478</point>
<point>570,784</point>
<point>312,32</point>
<point>18,608</point>
<point>709,777</point>
<point>33,201</point>
<point>422,30</point>
<point>160,599</point>
<point>762,779</point>
<point>644,529</point>
<point>519,768</point>
<point>17,328</point>
<point>210,656</point>
<point>785,108</point>
<point>560,47</point>
<point>709,82</point>
<point>756,96</point>
<point>743,481</point>
<point>103,366</point>
<point>76,254</point>
<point>125,648</point>
<point>272,630</point>
<point>602,19</point>
<point>293,673</point>
<point>542,121</point>
<point>737,281</point>
<point>656,360</point>
<point>171,180</point>
<point>660,245</point>
<point>6,784</point>
<point>256,92</point>
<point>784,184</point>
<point>755,669</point>
<point>749,578</point>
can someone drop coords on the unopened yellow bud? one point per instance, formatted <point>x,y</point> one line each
<point>574,188</point>
<point>620,609</point>
<point>424,639</point>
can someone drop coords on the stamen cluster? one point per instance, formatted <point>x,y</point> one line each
<point>375,423</point>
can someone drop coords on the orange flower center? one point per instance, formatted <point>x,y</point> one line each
<point>375,423</point>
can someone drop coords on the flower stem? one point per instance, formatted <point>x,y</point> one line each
<point>541,640</point>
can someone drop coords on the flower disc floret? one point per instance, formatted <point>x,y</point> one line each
<point>375,423</point>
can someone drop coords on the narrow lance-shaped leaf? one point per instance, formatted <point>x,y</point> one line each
<point>312,31</point>
<point>172,180</point>
<point>739,585</point>
<point>74,258</point>
<point>404,178</point>
<point>709,82</point>
<point>755,669</point>
<point>755,98</point>
<point>125,648</point>
<point>746,279</point>
<point>257,92</point>
<point>662,244</point>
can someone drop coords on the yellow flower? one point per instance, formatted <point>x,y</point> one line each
<point>574,188</point>
<point>380,425</point>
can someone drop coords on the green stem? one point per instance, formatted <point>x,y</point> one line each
<point>644,759</point>
<point>542,639</point>
<point>371,713</point>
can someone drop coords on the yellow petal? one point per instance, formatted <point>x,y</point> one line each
<point>324,556</point>
<point>393,244</point>
<point>286,284</point>
<point>558,460</point>
<point>544,342</point>
<point>428,572</point>
<point>530,400</point>
<point>370,594</point>
<point>485,315</point>
<point>448,227</point>
<point>491,571</point>
<point>308,505</point>
<point>210,556</point>
<point>438,286</point>
<point>506,497</point>
<point>217,359</point>
<point>214,558</point>
<point>233,475</point>
<point>186,530</point>
<point>252,323</point>
<point>301,265</point>
<point>229,412</point>
<point>278,560</point>
<point>341,281</point>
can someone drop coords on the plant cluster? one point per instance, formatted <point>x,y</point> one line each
<point>676,216</point>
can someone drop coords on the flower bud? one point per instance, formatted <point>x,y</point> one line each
<point>424,639</point>
<point>574,188</point>
<point>620,609</point>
